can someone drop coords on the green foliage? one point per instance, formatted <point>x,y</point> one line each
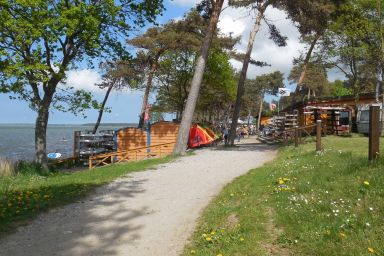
<point>256,89</point>
<point>338,88</point>
<point>41,40</point>
<point>315,79</point>
<point>303,203</point>
<point>219,85</point>
<point>179,43</point>
<point>353,42</point>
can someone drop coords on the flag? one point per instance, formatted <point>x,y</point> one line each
<point>146,113</point>
<point>284,92</point>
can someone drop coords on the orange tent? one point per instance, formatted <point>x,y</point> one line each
<point>198,136</point>
<point>211,133</point>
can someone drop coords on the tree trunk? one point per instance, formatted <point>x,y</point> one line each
<point>243,75</point>
<point>40,137</point>
<point>101,110</point>
<point>377,91</point>
<point>307,58</point>
<point>41,126</point>
<point>186,121</point>
<point>146,93</point>
<point>260,111</point>
<point>249,120</point>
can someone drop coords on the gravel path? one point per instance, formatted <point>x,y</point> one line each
<point>150,213</point>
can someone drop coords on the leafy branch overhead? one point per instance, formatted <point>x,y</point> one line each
<point>41,40</point>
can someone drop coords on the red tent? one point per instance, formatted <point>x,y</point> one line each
<point>198,137</point>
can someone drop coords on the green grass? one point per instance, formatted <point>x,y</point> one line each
<point>29,193</point>
<point>320,207</point>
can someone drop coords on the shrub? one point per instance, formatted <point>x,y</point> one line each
<point>24,167</point>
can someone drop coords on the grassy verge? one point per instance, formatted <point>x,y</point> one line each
<point>331,203</point>
<point>25,195</point>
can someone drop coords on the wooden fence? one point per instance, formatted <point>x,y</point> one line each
<point>296,135</point>
<point>161,132</point>
<point>135,154</point>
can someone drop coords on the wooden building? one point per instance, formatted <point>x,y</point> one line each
<point>333,111</point>
<point>160,133</point>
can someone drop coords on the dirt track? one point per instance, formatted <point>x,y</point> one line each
<point>149,213</point>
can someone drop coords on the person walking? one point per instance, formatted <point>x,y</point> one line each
<point>226,135</point>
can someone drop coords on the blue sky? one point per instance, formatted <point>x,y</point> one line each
<point>125,106</point>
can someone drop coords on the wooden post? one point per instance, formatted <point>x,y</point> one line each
<point>318,135</point>
<point>296,137</point>
<point>374,132</point>
<point>76,149</point>
<point>300,135</point>
<point>90,163</point>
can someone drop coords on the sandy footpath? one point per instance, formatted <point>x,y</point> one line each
<point>149,213</point>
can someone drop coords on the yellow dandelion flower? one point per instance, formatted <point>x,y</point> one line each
<point>241,239</point>
<point>280,182</point>
<point>208,238</point>
<point>366,183</point>
<point>232,194</point>
<point>204,235</point>
<point>219,254</point>
<point>213,232</point>
<point>370,250</point>
<point>285,179</point>
<point>193,251</point>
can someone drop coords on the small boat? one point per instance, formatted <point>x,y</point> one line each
<point>54,155</point>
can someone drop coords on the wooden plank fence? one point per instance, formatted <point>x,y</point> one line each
<point>135,154</point>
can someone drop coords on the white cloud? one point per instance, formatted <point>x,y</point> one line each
<point>188,3</point>
<point>85,79</point>
<point>229,25</point>
<point>241,21</point>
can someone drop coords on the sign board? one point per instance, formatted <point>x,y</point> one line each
<point>283,92</point>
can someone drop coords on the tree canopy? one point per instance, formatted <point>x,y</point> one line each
<point>41,40</point>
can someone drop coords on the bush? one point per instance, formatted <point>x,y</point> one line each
<point>24,167</point>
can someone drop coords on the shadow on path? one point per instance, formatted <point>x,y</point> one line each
<point>91,226</point>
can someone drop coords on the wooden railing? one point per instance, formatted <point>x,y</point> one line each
<point>296,134</point>
<point>134,154</point>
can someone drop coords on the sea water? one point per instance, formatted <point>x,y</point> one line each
<point>17,141</point>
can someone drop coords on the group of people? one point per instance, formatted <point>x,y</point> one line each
<point>241,131</point>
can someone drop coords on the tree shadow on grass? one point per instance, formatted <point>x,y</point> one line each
<point>247,146</point>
